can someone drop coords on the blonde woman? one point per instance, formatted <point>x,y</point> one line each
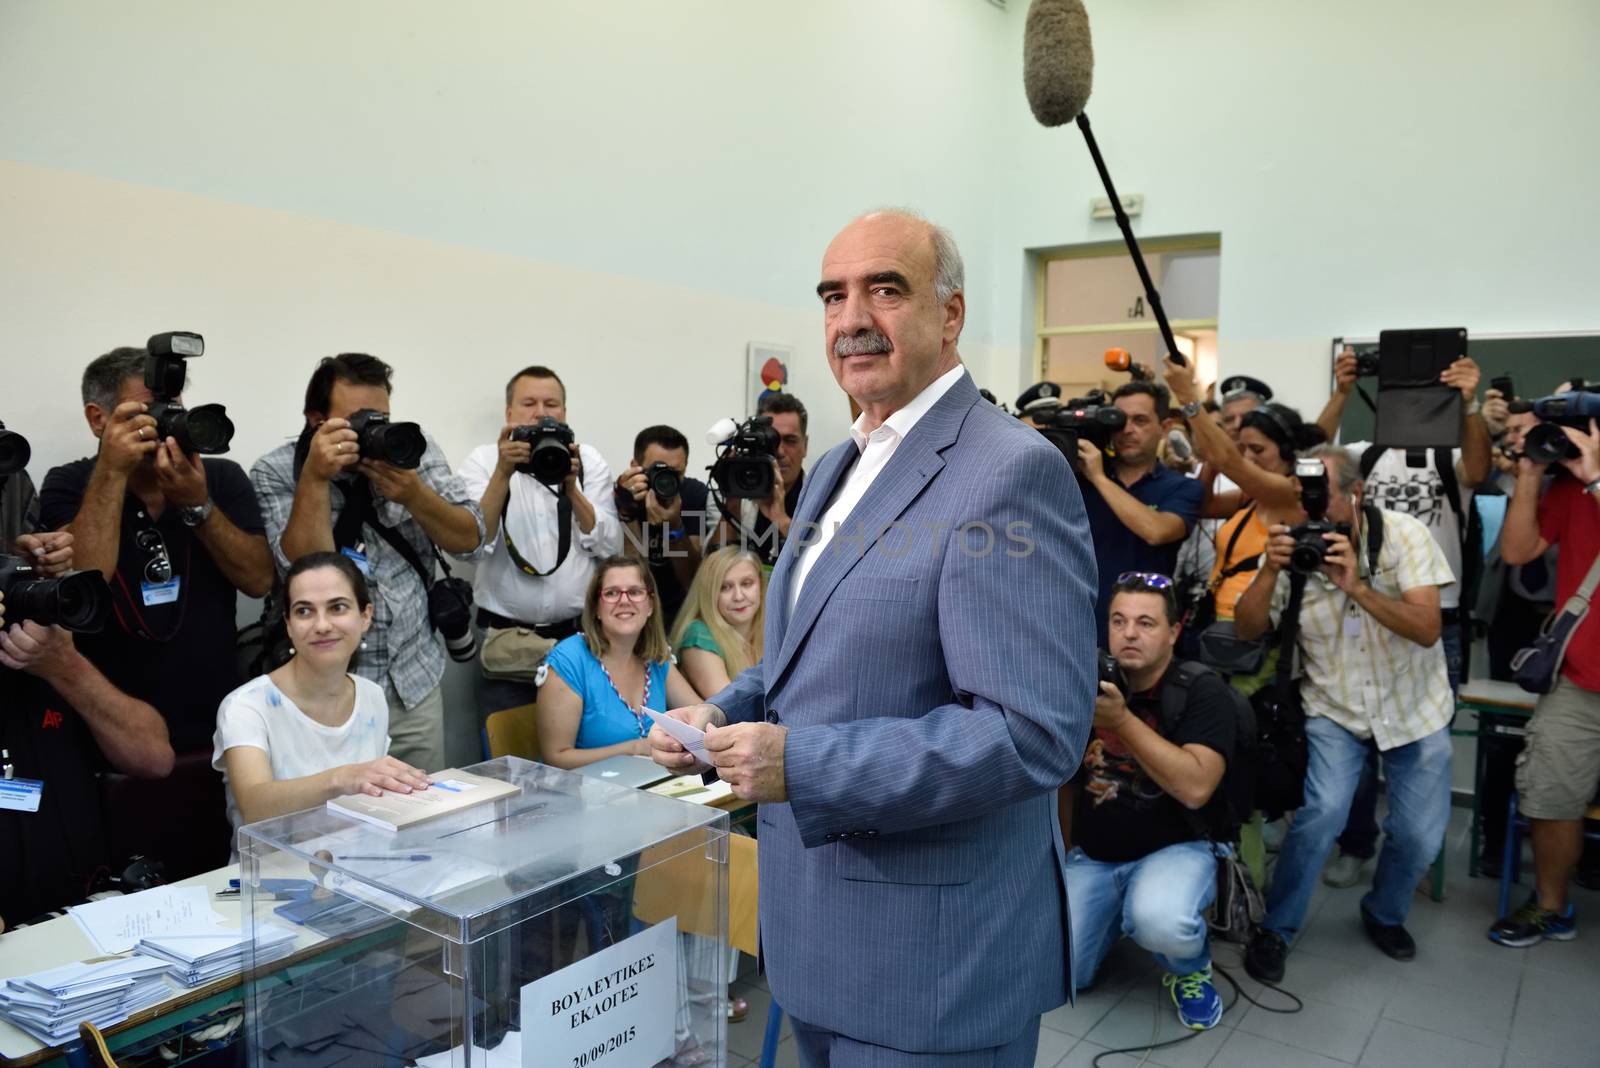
<point>718,632</point>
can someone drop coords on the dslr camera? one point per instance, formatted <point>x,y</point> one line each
<point>551,459</point>
<point>745,463</point>
<point>1545,443</point>
<point>207,429</point>
<point>662,479</point>
<point>1092,418</point>
<point>397,444</point>
<point>80,602</point>
<point>1310,548</point>
<point>14,452</point>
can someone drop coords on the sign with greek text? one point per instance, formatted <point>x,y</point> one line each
<point>613,1009</point>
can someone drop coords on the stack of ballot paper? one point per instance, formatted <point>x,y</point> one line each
<point>49,1005</point>
<point>196,959</point>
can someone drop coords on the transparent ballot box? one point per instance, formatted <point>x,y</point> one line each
<point>574,924</point>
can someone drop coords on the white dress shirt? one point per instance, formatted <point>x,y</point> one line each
<point>500,585</point>
<point>875,450</point>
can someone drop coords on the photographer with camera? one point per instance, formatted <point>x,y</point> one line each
<point>1373,674</point>
<point>1147,801</point>
<point>1139,510</point>
<point>63,723</point>
<point>382,494</point>
<point>550,513</point>
<point>177,533</point>
<point>762,525</point>
<point>1560,766</point>
<point>656,501</point>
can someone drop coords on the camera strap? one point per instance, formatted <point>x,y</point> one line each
<point>1288,631</point>
<point>563,542</point>
<point>358,512</point>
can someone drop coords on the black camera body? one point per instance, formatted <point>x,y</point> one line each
<point>662,479</point>
<point>744,469</point>
<point>15,452</point>
<point>205,429</point>
<point>450,612</point>
<point>80,602</point>
<point>551,458</point>
<point>1111,671</point>
<point>1310,547</point>
<point>1092,418</point>
<point>397,444</point>
<point>1367,364</point>
<point>1545,443</point>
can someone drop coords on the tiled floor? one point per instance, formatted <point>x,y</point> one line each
<point>1463,1003</point>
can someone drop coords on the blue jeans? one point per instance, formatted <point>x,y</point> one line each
<point>1157,901</point>
<point>1360,837</point>
<point>1419,808</point>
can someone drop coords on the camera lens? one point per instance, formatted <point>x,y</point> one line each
<point>398,444</point>
<point>1546,444</point>
<point>14,452</point>
<point>550,462</point>
<point>77,602</point>
<point>665,482</point>
<point>1306,556</point>
<point>206,429</point>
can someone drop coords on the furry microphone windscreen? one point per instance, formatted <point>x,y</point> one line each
<point>1057,60</point>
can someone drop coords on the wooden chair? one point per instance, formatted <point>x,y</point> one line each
<point>94,1046</point>
<point>511,732</point>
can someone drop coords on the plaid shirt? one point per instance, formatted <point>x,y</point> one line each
<point>402,652</point>
<point>1359,673</point>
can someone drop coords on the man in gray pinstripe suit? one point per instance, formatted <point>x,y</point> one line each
<point>928,683</point>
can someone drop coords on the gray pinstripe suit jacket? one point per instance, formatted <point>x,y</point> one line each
<point>936,694</point>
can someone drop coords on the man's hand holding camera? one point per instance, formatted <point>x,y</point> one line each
<point>775,508</point>
<point>129,438</point>
<point>511,453</point>
<point>403,486</point>
<point>1586,465</point>
<point>50,552</point>
<point>46,652</point>
<point>181,477</point>
<point>1110,708</point>
<point>1092,462</point>
<point>1338,561</point>
<point>334,447</point>
<point>634,482</point>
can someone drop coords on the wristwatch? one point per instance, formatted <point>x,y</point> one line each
<point>1593,487</point>
<point>1191,409</point>
<point>193,517</point>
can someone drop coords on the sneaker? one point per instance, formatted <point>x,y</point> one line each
<point>1199,1004</point>
<point>1343,871</point>
<point>1264,958</point>
<point>1531,924</point>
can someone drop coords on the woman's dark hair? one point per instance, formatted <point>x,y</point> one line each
<point>340,563</point>
<point>1283,426</point>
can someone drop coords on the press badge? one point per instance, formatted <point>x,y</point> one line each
<point>359,558</point>
<point>161,592</point>
<point>20,795</point>
<point>1352,624</point>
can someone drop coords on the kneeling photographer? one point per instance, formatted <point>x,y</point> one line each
<point>1560,767</point>
<point>1148,802</point>
<point>381,493</point>
<point>64,723</point>
<point>1139,510</point>
<point>549,515</point>
<point>1373,674</point>
<point>663,513</point>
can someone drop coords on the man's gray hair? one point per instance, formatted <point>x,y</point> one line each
<point>103,378</point>
<point>1347,474</point>
<point>949,273</point>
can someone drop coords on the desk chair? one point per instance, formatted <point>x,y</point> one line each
<point>90,1050</point>
<point>511,732</point>
<point>1516,827</point>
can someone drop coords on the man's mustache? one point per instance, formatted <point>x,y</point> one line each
<point>869,343</point>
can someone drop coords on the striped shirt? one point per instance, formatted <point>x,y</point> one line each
<point>1357,672</point>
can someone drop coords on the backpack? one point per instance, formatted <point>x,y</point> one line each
<point>1234,800</point>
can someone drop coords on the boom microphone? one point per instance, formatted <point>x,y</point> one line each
<point>1122,360</point>
<point>1057,74</point>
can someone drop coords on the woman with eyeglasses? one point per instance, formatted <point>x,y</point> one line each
<point>595,685</point>
<point>718,632</point>
<point>310,731</point>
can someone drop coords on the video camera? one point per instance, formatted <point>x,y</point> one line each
<point>1091,418</point>
<point>80,602</point>
<point>14,452</point>
<point>207,429</point>
<point>745,464</point>
<point>1310,547</point>
<point>550,460</point>
<point>1545,443</point>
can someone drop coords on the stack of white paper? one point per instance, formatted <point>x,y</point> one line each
<point>197,959</point>
<point>49,1005</point>
<point>116,924</point>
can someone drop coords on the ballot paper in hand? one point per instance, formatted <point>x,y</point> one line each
<point>691,738</point>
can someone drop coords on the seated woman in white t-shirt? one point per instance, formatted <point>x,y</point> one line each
<point>310,731</point>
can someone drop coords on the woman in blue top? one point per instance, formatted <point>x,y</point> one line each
<point>594,684</point>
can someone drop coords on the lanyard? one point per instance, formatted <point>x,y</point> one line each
<point>638,714</point>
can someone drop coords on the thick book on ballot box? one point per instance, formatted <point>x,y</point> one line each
<point>452,791</point>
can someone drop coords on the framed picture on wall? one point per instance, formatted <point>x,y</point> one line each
<point>766,371</point>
